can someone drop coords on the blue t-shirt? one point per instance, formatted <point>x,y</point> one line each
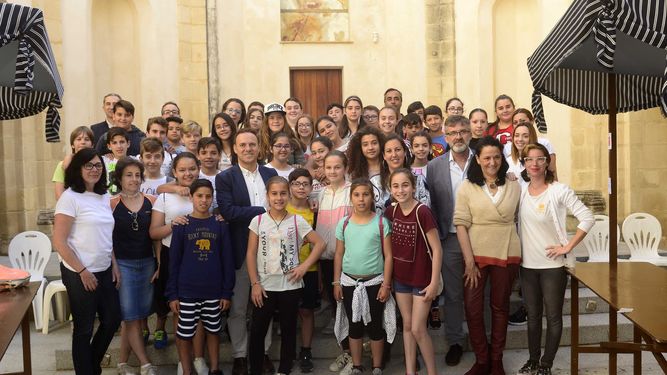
<point>201,261</point>
<point>363,246</point>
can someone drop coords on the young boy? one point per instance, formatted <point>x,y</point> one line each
<point>433,118</point>
<point>117,142</point>
<point>202,276</point>
<point>157,128</point>
<point>301,184</point>
<point>190,136</point>
<point>152,155</point>
<point>173,144</point>
<point>412,124</point>
<point>208,153</point>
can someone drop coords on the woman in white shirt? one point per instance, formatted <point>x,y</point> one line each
<point>82,235</point>
<point>544,248</point>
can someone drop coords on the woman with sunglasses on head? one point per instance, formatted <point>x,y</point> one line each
<point>82,235</point>
<point>545,253</point>
<point>133,249</point>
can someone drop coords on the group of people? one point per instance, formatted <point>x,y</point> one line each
<point>274,212</point>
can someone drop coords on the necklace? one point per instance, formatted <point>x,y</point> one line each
<point>130,196</point>
<point>493,184</point>
<point>281,220</point>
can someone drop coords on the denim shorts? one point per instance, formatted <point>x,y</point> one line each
<point>136,290</point>
<point>399,287</point>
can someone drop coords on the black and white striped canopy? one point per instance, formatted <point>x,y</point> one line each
<point>597,37</point>
<point>29,79</point>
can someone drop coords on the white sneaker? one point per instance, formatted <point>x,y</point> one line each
<point>347,370</point>
<point>148,369</point>
<point>179,369</point>
<point>200,366</point>
<point>340,362</point>
<point>377,371</point>
<point>125,369</point>
<point>329,329</point>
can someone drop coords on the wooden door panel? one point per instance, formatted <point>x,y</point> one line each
<point>316,88</point>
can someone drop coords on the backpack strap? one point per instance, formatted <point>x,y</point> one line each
<point>428,246</point>
<point>296,232</point>
<point>345,222</point>
<point>381,226</point>
<point>259,221</point>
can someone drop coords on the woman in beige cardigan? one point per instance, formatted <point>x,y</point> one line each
<point>485,214</point>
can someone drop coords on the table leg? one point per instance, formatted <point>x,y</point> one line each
<point>613,337</point>
<point>637,356</point>
<point>574,319</point>
<point>25,337</point>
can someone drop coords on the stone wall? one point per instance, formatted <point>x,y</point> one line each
<point>440,52</point>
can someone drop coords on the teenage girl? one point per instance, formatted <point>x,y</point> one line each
<point>479,121</point>
<point>352,120</point>
<point>275,121</point>
<point>365,155</point>
<point>417,253</point>
<point>319,147</point>
<point>255,119</point>
<point>80,138</point>
<point>305,132</point>
<point>524,134</point>
<point>363,268</point>
<point>223,128</point>
<point>326,127</point>
<point>293,109</point>
<point>275,273</point>
<point>421,145</point>
<point>281,148</point>
<point>501,129</point>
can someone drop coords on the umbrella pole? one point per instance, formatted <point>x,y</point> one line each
<point>613,215</point>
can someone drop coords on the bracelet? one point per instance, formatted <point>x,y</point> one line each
<point>386,286</point>
<point>336,283</point>
<point>255,283</point>
<point>83,269</point>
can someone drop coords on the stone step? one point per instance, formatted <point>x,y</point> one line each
<point>589,302</point>
<point>594,328</point>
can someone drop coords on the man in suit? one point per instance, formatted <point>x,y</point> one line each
<point>444,175</point>
<point>241,194</point>
<point>102,127</point>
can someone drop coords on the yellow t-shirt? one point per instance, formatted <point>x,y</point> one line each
<point>308,215</point>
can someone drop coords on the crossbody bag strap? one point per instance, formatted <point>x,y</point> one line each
<point>428,246</point>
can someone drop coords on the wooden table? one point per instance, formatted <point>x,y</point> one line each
<point>638,291</point>
<point>14,307</point>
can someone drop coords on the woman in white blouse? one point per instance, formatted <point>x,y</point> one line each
<point>545,252</point>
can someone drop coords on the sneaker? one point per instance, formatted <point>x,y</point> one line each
<point>148,369</point>
<point>347,370</point>
<point>306,361</point>
<point>179,369</point>
<point>434,318</point>
<point>357,370</point>
<point>145,334</point>
<point>240,366</point>
<point>160,339</point>
<point>543,370</point>
<point>216,372</point>
<point>267,366</point>
<point>200,366</point>
<point>530,368</point>
<point>329,329</point>
<point>125,369</point>
<point>454,354</point>
<point>340,362</point>
<point>519,318</point>
<point>377,371</point>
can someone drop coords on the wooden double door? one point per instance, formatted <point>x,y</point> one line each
<point>316,88</point>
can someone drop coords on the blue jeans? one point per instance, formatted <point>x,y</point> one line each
<point>85,305</point>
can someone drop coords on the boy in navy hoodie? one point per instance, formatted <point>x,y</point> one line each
<point>201,277</point>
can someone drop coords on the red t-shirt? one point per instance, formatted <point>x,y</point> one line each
<point>412,265</point>
<point>503,135</point>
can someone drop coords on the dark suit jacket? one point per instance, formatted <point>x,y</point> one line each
<point>234,203</point>
<point>439,184</point>
<point>98,130</point>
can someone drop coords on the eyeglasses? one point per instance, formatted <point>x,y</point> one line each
<point>221,127</point>
<point>460,133</point>
<point>233,110</point>
<point>90,166</point>
<point>135,224</point>
<point>282,147</point>
<point>297,184</point>
<point>171,112</point>
<point>538,160</point>
<point>305,125</point>
<point>455,109</point>
<point>370,117</point>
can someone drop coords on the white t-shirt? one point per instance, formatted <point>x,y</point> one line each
<point>150,185</point>
<point>380,194</point>
<point>214,204</point>
<point>172,205</point>
<point>537,232</point>
<point>278,249</point>
<point>91,235</point>
<point>284,173</point>
<point>165,169</point>
<point>225,161</point>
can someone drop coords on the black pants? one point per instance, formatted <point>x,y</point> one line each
<point>85,305</point>
<point>374,328</point>
<point>544,287</point>
<point>287,304</point>
<point>160,303</point>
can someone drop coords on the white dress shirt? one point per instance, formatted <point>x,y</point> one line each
<point>255,185</point>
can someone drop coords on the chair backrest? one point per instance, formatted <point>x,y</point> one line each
<point>596,241</point>
<point>642,233</point>
<point>30,251</point>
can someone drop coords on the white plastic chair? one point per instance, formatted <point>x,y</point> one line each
<point>52,289</point>
<point>642,233</point>
<point>596,241</point>
<point>30,251</point>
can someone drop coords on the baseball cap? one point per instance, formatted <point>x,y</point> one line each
<point>274,107</point>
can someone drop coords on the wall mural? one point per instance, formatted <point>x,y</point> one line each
<point>314,21</point>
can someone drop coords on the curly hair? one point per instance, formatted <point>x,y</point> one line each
<point>358,163</point>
